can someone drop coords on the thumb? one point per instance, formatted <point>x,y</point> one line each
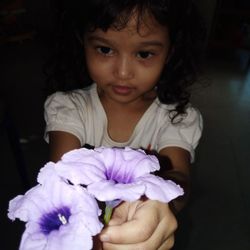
<point>126,233</point>
<point>119,214</point>
<point>124,220</point>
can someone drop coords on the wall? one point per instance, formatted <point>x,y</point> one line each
<point>207,9</point>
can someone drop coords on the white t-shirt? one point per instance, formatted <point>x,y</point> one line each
<point>81,113</point>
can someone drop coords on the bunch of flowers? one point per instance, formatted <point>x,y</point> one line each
<point>61,211</point>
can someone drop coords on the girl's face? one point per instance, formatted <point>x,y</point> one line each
<point>126,64</point>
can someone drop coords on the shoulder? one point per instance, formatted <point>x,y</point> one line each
<point>184,132</point>
<point>166,112</point>
<point>71,99</point>
<point>191,117</point>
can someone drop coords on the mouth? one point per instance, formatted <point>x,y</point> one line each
<point>122,90</point>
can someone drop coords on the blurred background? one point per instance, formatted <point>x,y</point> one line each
<point>217,217</point>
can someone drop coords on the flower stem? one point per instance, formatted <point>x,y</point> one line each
<point>107,214</point>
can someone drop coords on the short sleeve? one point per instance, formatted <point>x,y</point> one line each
<point>185,134</point>
<point>62,113</point>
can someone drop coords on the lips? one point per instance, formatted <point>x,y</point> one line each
<point>122,90</point>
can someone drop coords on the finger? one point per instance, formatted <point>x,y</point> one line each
<point>129,232</point>
<point>110,246</point>
<point>119,215</point>
<point>160,239</point>
<point>166,245</point>
<point>163,236</point>
<point>124,212</point>
<point>133,231</point>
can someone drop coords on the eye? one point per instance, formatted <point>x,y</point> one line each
<point>144,54</point>
<point>104,50</point>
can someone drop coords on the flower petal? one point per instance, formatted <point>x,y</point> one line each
<point>128,161</point>
<point>29,206</point>
<point>47,174</point>
<point>83,166</point>
<point>57,212</point>
<point>159,189</point>
<point>83,156</point>
<point>79,173</point>
<point>73,236</point>
<point>29,242</point>
<point>108,191</point>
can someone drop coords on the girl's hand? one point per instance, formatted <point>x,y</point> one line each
<point>140,225</point>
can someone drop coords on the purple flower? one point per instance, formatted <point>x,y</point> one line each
<point>117,174</point>
<point>58,215</point>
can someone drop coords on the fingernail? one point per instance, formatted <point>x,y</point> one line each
<point>104,237</point>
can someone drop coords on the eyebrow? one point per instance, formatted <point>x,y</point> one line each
<point>144,43</point>
<point>97,38</point>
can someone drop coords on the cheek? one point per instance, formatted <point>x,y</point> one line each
<point>150,76</point>
<point>97,69</point>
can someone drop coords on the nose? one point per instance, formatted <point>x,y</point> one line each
<point>123,68</point>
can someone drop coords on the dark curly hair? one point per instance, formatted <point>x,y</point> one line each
<point>67,69</point>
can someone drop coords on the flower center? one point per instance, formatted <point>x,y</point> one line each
<point>53,220</point>
<point>118,177</point>
<point>62,219</point>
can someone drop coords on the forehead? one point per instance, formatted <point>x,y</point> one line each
<point>143,25</point>
<point>140,27</point>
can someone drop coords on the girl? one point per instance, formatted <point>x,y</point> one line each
<point>121,74</point>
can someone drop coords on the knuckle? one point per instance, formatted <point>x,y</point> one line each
<point>146,232</point>
<point>170,243</point>
<point>144,246</point>
<point>174,223</point>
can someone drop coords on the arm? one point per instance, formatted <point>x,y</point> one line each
<point>175,165</point>
<point>60,143</point>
